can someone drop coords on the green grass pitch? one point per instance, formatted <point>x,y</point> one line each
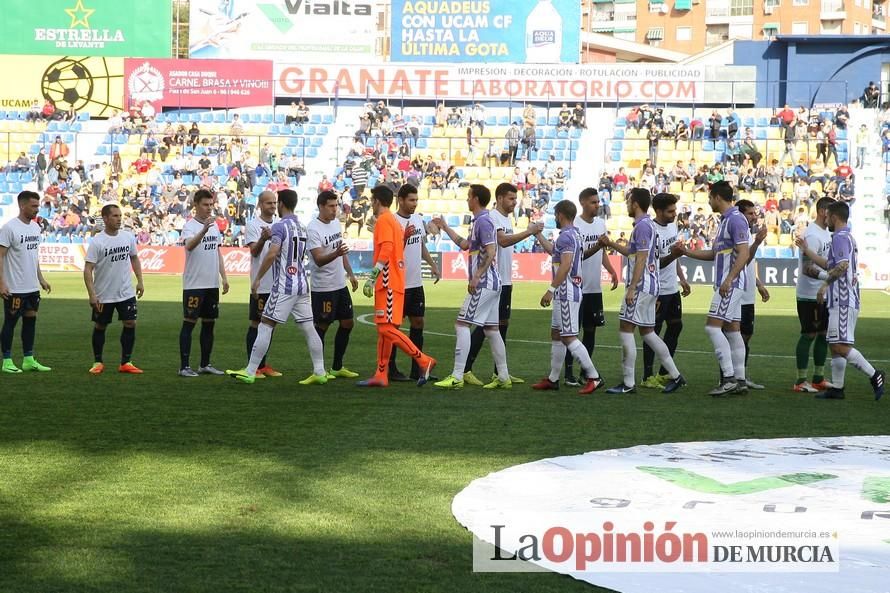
<point>155,483</point>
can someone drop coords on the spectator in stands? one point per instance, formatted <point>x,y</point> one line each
<point>620,179</point>
<point>302,113</point>
<point>58,150</point>
<point>455,116</point>
<point>679,173</point>
<point>843,172</point>
<point>786,204</point>
<point>441,118</point>
<point>801,171</point>
<point>529,141</point>
<point>715,174</point>
<point>512,137</point>
<point>565,118</point>
<point>861,145</point>
<point>529,119</point>
<point>653,136</point>
<point>147,112</point>
<point>748,181</point>
<point>23,163</point>
<point>150,146</point>
<point>749,151</point>
<point>579,116</point>
<point>732,153</point>
<point>887,211</point>
<point>48,112</point>
<point>870,96</point>
<point>477,117</point>
<point>831,144</point>
<point>841,116</point>
<point>41,168</point>
<point>714,123</point>
<point>194,135</point>
<point>293,114</point>
<point>790,140</point>
<point>634,119</point>
<point>33,112</point>
<point>785,117</point>
<point>358,212</point>
<point>734,122</point>
<point>681,133</point>
<point>237,128</point>
<point>819,137</point>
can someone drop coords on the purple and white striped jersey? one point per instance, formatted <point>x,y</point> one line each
<point>844,292</point>
<point>569,241</point>
<point>289,269</point>
<point>733,230</point>
<point>483,235</point>
<point>642,240</point>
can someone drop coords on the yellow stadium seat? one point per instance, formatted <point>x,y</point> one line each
<point>785,240</point>
<point>772,239</point>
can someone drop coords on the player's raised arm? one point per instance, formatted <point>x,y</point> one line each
<point>606,241</point>
<point>464,244</point>
<point>545,243</point>
<point>505,240</point>
<point>192,241</point>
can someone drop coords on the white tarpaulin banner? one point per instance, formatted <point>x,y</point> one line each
<point>774,516</point>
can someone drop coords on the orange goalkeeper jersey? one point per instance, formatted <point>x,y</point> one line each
<point>389,246</point>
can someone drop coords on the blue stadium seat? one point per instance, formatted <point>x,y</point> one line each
<point>749,121</point>
<point>541,121</point>
<point>219,117</point>
<point>620,123</point>
<point>316,142</point>
<point>321,130</point>
<point>615,156</point>
<point>762,122</point>
<point>309,130</point>
<point>279,118</point>
<point>328,119</point>
<point>785,253</point>
<point>503,120</point>
<point>558,155</point>
<point>575,144</point>
<point>200,150</point>
<point>618,133</point>
<point>314,119</point>
<point>206,117</point>
<point>766,252</point>
<point>547,144</point>
<point>553,120</point>
<point>422,143</point>
<point>274,130</point>
<point>299,152</point>
<point>453,220</point>
<point>312,152</point>
<point>560,144</point>
<point>267,118</point>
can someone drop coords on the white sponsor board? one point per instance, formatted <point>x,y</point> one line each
<point>565,82</point>
<point>308,31</point>
<point>794,515</point>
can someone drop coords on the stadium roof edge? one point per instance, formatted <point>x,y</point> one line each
<point>873,39</point>
<point>629,51</point>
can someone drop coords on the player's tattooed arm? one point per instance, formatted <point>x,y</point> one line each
<point>837,271</point>
<point>811,269</point>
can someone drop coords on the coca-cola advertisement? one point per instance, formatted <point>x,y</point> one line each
<point>171,260</point>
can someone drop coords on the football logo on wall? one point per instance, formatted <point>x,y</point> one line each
<point>146,83</point>
<point>80,83</point>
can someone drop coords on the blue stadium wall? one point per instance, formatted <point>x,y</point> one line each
<point>817,68</point>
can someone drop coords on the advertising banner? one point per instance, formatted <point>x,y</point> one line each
<point>93,27</point>
<point>311,31</point>
<point>93,85</point>
<point>171,260</point>
<point>671,83</point>
<point>61,258</point>
<point>535,32</point>
<point>534,267</point>
<point>199,83</point>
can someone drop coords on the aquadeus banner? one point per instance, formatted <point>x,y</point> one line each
<point>484,31</point>
<point>87,27</point>
<point>669,83</point>
<point>218,84</point>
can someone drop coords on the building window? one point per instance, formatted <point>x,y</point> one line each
<point>684,33</point>
<point>715,35</point>
<point>655,34</point>
<point>800,28</point>
<point>741,8</point>
<point>831,27</point>
<point>800,2</point>
<point>771,3</point>
<point>770,30</point>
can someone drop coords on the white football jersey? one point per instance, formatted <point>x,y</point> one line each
<point>202,262</point>
<point>20,266</point>
<point>413,250</point>
<point>252,232</point>
<point>112,278</point>
<point>818,240</point>
<point>665,237</point>
<point>591,268</point>
<point>328,236</point>
<point>505,254</point>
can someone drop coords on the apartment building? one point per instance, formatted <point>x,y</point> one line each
<point>690,26</point>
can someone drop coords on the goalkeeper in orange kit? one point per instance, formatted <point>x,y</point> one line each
<point>387,286</point>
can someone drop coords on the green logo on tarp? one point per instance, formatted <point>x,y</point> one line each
<point>693,481</point>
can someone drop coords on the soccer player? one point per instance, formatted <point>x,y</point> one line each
<point>21,281</point>
<point>200,282</point>
<point>752,281</point>
<point>331,300</point>
<point>387,285</point>
<point>415,300</point>
<point>813,316</point>
<point>842,286</point>
<point>591,227</point>
<point>106,274</point>
<point>729,252</point>
<point>289,295</point>
<point>505,204</point>
<point>669,306</point>
<point>480,307</point>
<point>565,294</point>
<point>641,293</point>
<point>256,235</point>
